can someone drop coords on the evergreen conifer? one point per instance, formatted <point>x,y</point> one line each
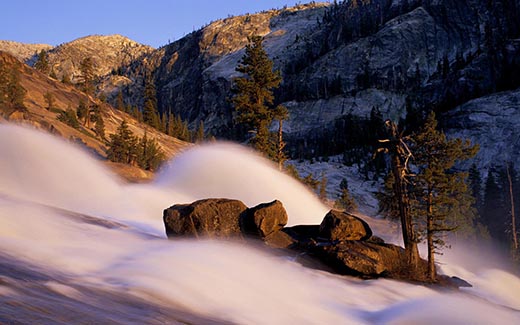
<point>253,99</point>
<point>441,197</point>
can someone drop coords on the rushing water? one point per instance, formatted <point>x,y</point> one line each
<point>63,215</point>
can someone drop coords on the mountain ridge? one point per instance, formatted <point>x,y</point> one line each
<point>337,60</point>
<point>23,51</point>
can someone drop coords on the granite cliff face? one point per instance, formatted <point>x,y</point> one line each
<point>492,122</point>
<point>107,52</point>
<point>401,57</point>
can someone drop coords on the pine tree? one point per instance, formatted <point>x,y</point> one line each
<point>345,201</point>
<point>440,194</point>
<point>97,118</point>
<point>82,112</point>
<point>150,114</point>
<point>323,187</point>
<point>136,113</point>
<point>120,104</point>
<point>171,125</point>
<point>122,146</point>
<point>164,123</point>
<point>495,211</point>
<point>42,63</point>
<point>49,100</point>
<point>150,156</point>
<point>3,84</point>
<point>281,114</point>
<point>311,181</point>
<point>388,204</point>
<point>253,99</point>
<point>87,80</point>
<point>199,135</point>
<point>87,75</point>
<point>475,183</point>
<point>12,94</point>
<point>15,91</point>
<point>68,117</point>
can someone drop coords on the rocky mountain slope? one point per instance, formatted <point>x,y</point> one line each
<point>340,62</point>
<point>399,57</point>
<point>66,97</point>
<point>22,51</point>
<point>109,53</point>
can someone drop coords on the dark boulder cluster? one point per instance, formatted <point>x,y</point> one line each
<point>343,243</point>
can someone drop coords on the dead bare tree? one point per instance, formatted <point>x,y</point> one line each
<point>400,155</point>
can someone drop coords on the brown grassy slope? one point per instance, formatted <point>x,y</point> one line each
<point>37,84</point>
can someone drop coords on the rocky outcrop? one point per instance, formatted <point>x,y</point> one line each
<point>208,218</point>
<point>492,122</point>
<point>22,51</point>
<point>343,242</point>
<point>225,218</point>
<point>108,53</point>
<point>265,219</point>
<point>341,226</point>
<point>362,258</point>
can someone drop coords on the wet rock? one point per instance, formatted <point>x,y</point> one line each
<point>208,218</point>
<point>265,219</point>
<point>362,258</point>
<point>341,226</point>
<point>342,244</point>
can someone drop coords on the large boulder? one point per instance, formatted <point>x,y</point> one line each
<point>362,258</point>
<point>341,226</point>
<point>265,219</point>
<point>207,218</point>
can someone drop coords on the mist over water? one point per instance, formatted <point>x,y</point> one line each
<point>231,171</point>
<point>125,250</point>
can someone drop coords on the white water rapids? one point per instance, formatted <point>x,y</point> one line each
<point>47,186</point>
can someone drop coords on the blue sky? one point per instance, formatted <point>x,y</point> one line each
<point>152,22</point>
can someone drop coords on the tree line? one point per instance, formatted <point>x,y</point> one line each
<point>423,189</point>
<point>12,94</point>
<point>125,147</point>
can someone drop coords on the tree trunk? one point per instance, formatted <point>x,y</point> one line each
<point>281,145</point>
<point>399,169</point>
<point>513,219</point>
<point>429,235</point>
<point>410,245</point>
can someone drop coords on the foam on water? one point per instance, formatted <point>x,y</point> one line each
<point>221,279</point>
<point>231,171</point>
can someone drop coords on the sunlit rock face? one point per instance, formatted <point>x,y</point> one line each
<point>107,53</point>
<point>23,51</point>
